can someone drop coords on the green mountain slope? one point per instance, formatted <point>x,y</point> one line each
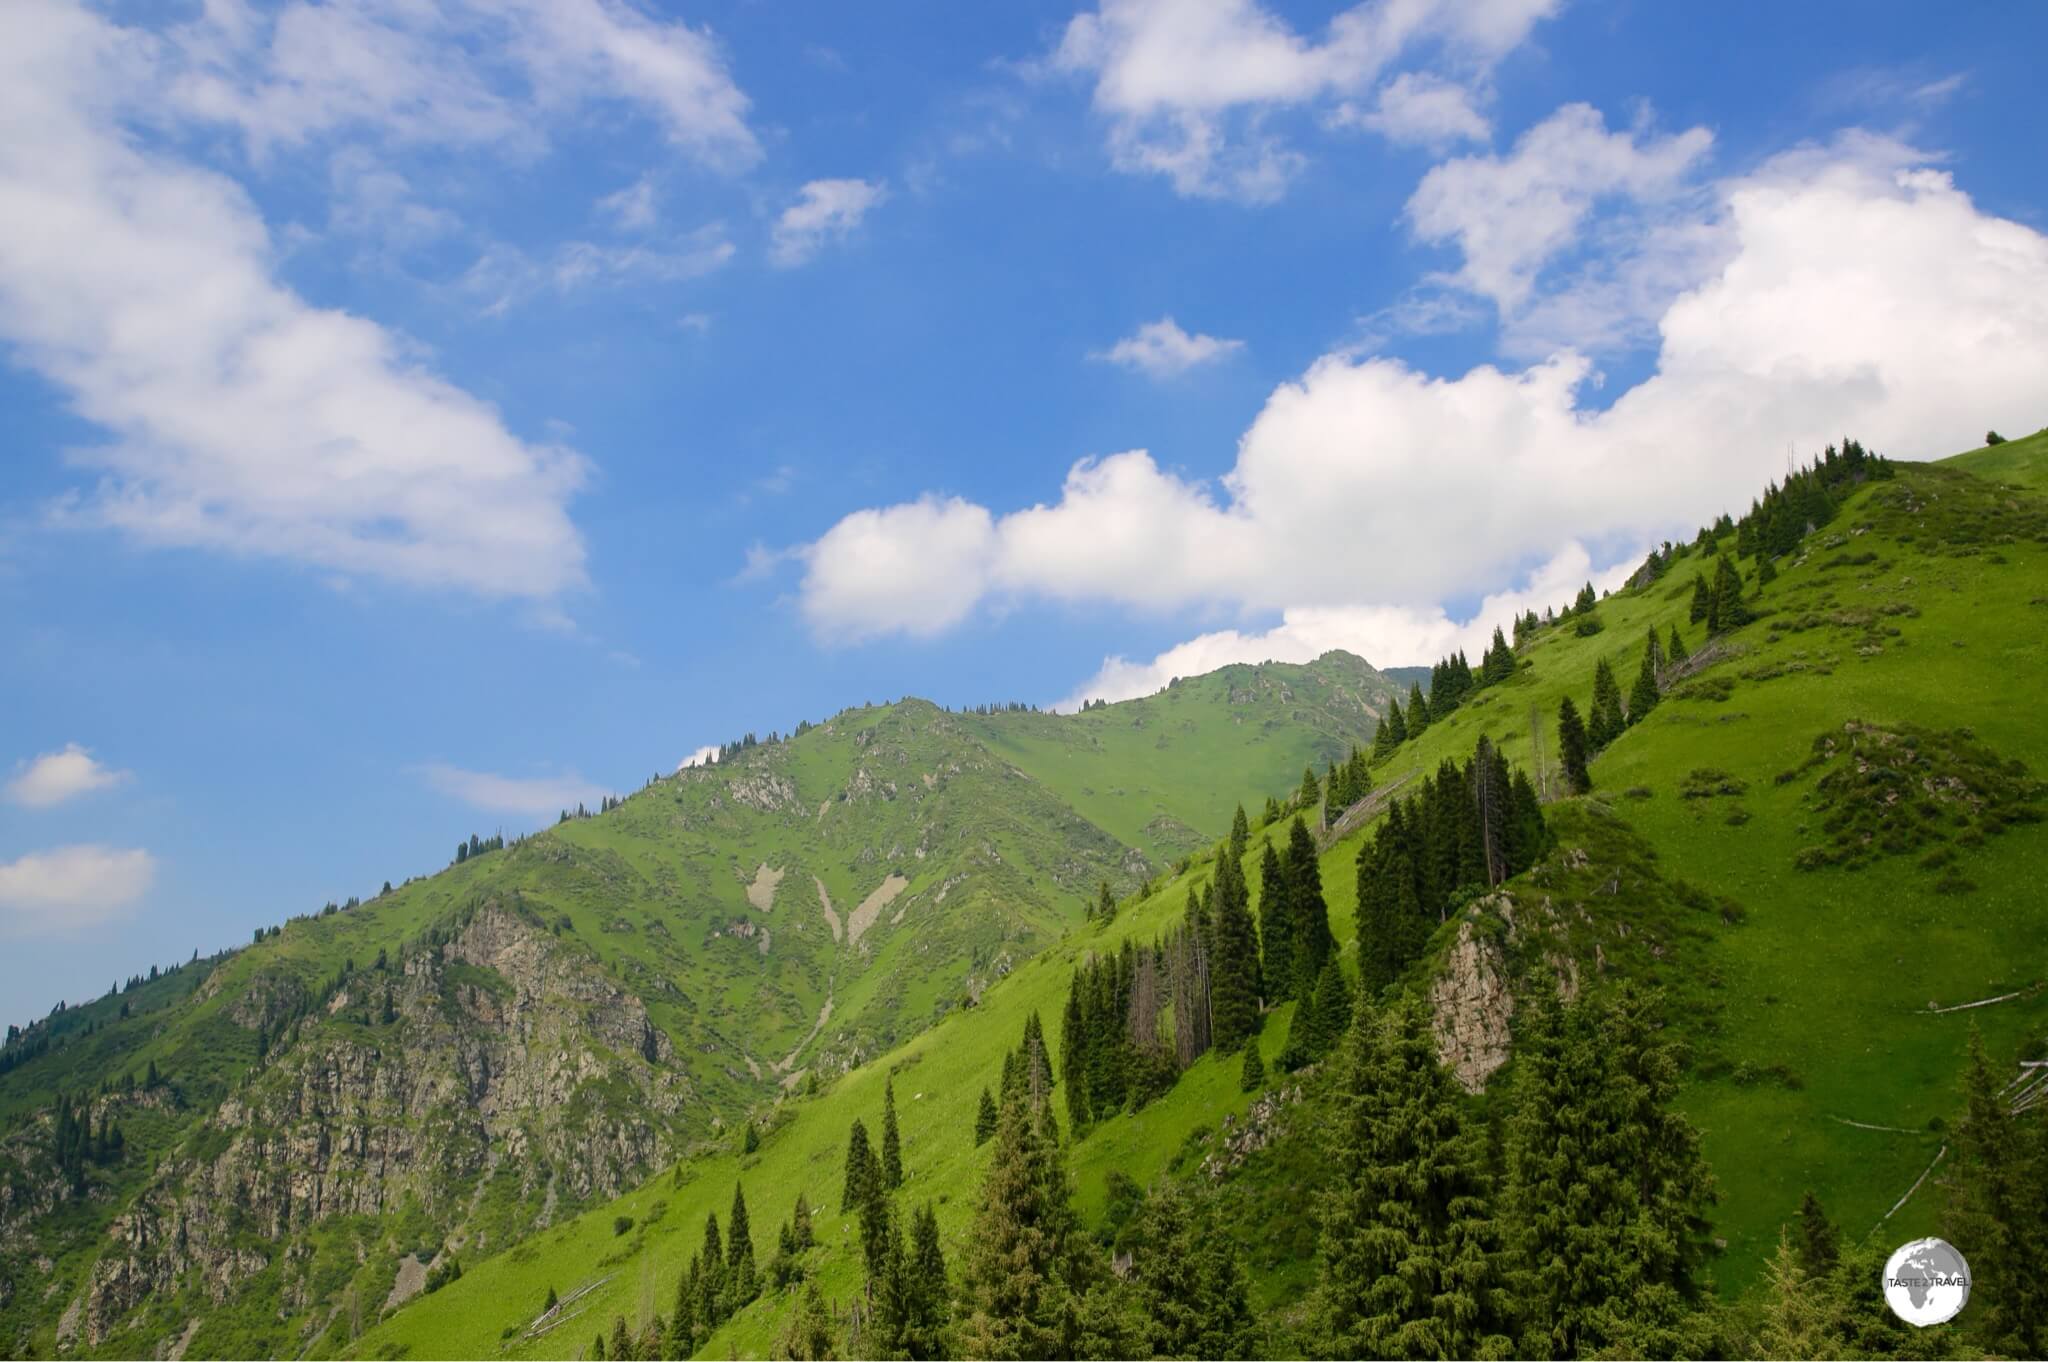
<point>1823,1001</point>
<point>2022,462</point>
<point>479,1053</point>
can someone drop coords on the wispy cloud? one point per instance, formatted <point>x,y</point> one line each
<point>825,210</point>
<point>533,797</point>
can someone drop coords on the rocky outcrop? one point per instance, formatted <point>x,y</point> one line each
<point>1473,1008</point>
<point>508,1050</point>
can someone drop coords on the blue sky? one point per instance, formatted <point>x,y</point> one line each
<point>419,415</point>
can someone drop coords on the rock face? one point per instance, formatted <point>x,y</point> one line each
<point>1473,1008</point>
<point>514,1061</point>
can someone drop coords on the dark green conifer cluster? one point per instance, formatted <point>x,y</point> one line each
<point>1466,830</point>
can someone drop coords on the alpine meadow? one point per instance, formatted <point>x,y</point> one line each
<point>1481,794</point>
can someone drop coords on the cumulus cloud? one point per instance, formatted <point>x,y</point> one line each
<point>1384,635</point>
<point>706,755</point>
<point>1511,215</point>
<point>534,797</point>
<point>1185,84</point>
<point>1861,292</point>
<point>241,417</point>
<point>824,210</point>
<point>54,777</point>
<point>1163,350</point>
<point>69,888</point>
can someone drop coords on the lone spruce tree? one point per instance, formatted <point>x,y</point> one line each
<point>892,1140</point>
<point>1407,1258</point>
<point>861,1169</point>
<point>1643,697</point>
<point>1606,721</point>
<point>1573,749</point>
<point>984,1119</point>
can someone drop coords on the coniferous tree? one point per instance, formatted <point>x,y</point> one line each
<point>1234,962</point>
<point>810,1334</point>
<point>1189,1290</point>
<point>1573,747</point>
<point>1026,1263</point>
<point>892,1140</point>
<point>711,1277</point>
<point>1819,1247</point>
<point>1309,798</point>
<point>1702,599</point>
<point>924,1294</point>
<point>1606,721</point>
<point>1643,697</point>
<point>1302,872</point>
<point>742,1284</point>
<point>800,1224</point>
<point>1277,928</point>
<point>1407,1259</point>
<point>1251,1075</point>
<point>1419,713</point>
<point>1105,904</point>
<point>1674,647</point>
<point>861,1170</point>
<point>1725,607</point>
<point>984,1119</point>
<point>1320,1020</point>
<point>1593,1129</point>
<point>1391,732</point>
<point>1998,1205</point>
<point>1392,927</point>
<point>1240,834</point>
<point>1076,1049</point>
<point>1766,573</point>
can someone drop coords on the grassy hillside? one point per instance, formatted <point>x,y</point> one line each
<point>801,908</point>
<point>2021,462</point>
<point>1813,1003</point>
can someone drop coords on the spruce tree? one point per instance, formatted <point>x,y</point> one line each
<point>984,1119</point>
<point>1573,747</point>
<point>1593,1130</point>
<point>1309,799</point>
<point>1997,1206</point>
<point>1606,721</point>
<point>1233,962</point>
<point>1407,1263</point>
<point>1320,1021</point>
<point>1026,1262</point>
<point>1819,1247</point>
<point>1643,697</point>
<point>1240,834</point>
<point>810,1334</point>
<point>1277,928</point>
<point>1191,1296</point>
<point>1766,573</point>
<point>892,1140</point>
<point>711,1277</point>
<point>1725,608</point>
<point>1077,1047</point>
<point>1392,928</point>
<point>1418,710</point>
<point>800,1223</point>
<point>861,1171</point>
<point>1105,904</point>
<point>925,1294</point>
<point>1251,1075</point>
<point>1702,599</point>
<point>1303,874</point>
<point>1391,732</point>
<point>741,1283</point>
<point>1674,647</point>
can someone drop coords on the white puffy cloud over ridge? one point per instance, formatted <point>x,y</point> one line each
<point>1859,292</point>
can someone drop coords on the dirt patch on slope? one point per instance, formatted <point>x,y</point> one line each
<point>863,917</point>
<point>825,904</point>
<point>761,893</point>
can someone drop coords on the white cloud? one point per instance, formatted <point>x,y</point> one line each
<point>632,207</point>
<point>824,210</point>
<point>1384,635</point>
<point>541,798</point>
<point>1420,109</point>
<point>1186,83</point>
<point>367,197</point>
<point>1511,215</point>
<point>706,755</point>
<point>1855,296</point>
<point>1163,350</point>
<point>243,418</point>
<point>914,569</point>
<point>460,72</point>
<point>69,888</point>
<point>505,277</point>
<point>55,777</point>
